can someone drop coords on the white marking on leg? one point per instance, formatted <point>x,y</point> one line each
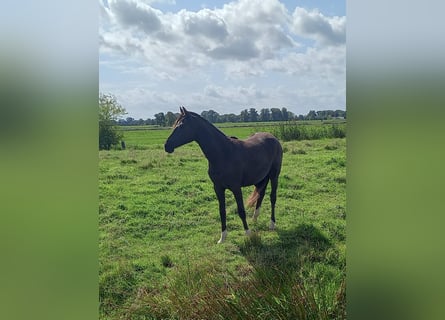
<point>223,236</point>
<point>256,214</point>
<point>272,225</point>
<point>248,233</point>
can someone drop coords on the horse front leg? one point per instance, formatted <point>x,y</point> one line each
<point>241,211</point>
<point>220,194</point>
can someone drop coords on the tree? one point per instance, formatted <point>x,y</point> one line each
<point>276,114</point>
<point>160,119</point>
<point>211,115</point>
<point>231,117</point>
<point>265,114</point>
<point>253,115</point>
<point>244,116</point>
<point>312,115</point>
<point>170,119</point>
<point>290,115</point>
<point>129,121</point>
<point>109,111</point>
<point>285,114</point>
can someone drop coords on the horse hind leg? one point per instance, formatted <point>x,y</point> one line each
<point>274,173</point>
<point>273,200</point>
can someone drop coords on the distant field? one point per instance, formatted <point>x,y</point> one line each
<point>145,138</point>
<point>159,224</point>
<point>238,124</point>
<point>141,136</point>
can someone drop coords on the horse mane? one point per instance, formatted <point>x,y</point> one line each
<point>195,115</point>
<point>178,120</point>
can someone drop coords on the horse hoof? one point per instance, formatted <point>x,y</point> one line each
<point>223,237</point>
<point>248,233</point>
<point>272,225</point>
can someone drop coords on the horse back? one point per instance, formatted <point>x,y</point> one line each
<point>264,143</point>
<point>262,149</point>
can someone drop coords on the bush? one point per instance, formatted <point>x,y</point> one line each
<point>108,136</point>
<point>109,111</point>
<point>293,131</point>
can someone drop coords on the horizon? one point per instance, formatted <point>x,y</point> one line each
<point>237,114</point>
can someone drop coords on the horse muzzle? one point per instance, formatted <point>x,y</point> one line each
<point>169,148</point>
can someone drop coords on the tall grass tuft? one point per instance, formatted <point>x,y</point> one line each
<point>292,131</point>
<point>270,291</point>
<point>207,293</point>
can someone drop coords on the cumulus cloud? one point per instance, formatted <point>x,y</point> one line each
<point>104,13</point>
<point>204,22</point>
<point>136,14</point>
<point>243,30</point>
<point>327,30</point>
<point>213,91</point>
<point>255,12</point>
<point>234,96</point>
<point>236,49</point>
<point>244,39</point>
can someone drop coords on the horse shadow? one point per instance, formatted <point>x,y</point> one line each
<point>298,246</point>
<point>290,274</point>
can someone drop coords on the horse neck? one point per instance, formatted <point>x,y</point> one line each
<point>214,144</point>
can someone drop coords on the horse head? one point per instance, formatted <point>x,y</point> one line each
<point>183,131</point>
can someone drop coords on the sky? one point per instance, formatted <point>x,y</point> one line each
<point>158,55</point>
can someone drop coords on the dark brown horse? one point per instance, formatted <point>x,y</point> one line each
<point>233,163</point>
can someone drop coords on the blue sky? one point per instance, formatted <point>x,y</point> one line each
<point>223,55</point>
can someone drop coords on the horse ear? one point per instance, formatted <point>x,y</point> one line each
<point>181,109</point>
<point>185,110</point>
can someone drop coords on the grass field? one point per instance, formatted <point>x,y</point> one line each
<point>159,225</point>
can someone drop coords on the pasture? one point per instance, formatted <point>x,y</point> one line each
<point>159,225</point>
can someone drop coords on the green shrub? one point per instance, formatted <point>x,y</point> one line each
<point>108,136</point>
<point>293,131</point>
<point>109,111</point>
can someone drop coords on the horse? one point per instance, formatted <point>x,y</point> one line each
<point>233,163</point>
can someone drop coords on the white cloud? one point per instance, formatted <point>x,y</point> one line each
<point>203,23</point>
<point>226,57</point>
<point>104,13</point>
<point>313,24</point>
<point>240,31</point>
<point>236,49</point>
<point>213,91</point>
<point>239,94</point>
<point>136,14</point>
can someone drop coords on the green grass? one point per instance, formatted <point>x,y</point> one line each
<point>159,225</point>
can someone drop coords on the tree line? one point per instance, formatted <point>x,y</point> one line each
<point>111,113</point>
<point>246,115</point>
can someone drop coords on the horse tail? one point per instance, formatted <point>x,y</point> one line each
<point>251,201</point>
<point>253,198</point>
